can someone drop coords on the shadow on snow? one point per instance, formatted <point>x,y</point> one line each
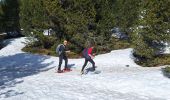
<point>18,66</point>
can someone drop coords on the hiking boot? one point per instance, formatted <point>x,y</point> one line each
<point>82,72</point>
<point>93,69</point>
<point>67,69</point>
<point>60,71</point>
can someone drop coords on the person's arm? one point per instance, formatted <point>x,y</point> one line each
<point>91,56</point>
<point>90,53</point>
<point>66,50</point>
<point>62,49</point>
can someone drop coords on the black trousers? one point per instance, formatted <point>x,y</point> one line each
<point>61,57</point>
<point>86,61</point>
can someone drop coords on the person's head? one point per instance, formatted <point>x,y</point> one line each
<point>91,46</point>
<point>65,42</point>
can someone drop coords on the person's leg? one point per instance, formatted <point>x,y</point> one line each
<point>66,61</point>
<point>66,66</point>
<point>93,63</point>
<point>85,63</point>
<point>60,62</point>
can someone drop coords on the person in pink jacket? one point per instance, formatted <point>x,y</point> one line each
<point>87,54</point>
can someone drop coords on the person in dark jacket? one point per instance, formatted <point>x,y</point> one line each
<point>87,54</point>
<point>63,55</point>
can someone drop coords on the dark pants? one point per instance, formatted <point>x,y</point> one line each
<point>86,61</point>
<point>61,57</point>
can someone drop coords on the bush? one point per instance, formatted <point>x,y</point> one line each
<point>2,37</point>
<point>74,48</point>
<point>112,44</point>
<point>74,55</point>
<point>41,44</point>
<point>119,44</point>
<point>47,45</point>
<point>36,50</point>
<point>44,41</point>
<point>1,45</point>
<point>166,71</point>
<point>159,60</point>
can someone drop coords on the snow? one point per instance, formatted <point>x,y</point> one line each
<point>3,34</point>
<point>25,76</point>
<point>167,48</point>
<point>47,32</point>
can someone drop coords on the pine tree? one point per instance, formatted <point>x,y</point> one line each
<point>10,16</point>
<point>33,16</point>
<point>126,14</point>
<point>154,19</point>
<point>74,20</point>
<point>1,17</point>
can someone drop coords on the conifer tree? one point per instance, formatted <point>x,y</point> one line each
<point>10,16</point>
<point>75,20</point>
<point>154,19</point>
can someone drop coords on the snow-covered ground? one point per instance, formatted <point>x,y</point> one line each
<point>25,76</point>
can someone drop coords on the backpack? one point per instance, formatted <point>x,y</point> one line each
<point>58,49</point>
<point>85,52</point>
